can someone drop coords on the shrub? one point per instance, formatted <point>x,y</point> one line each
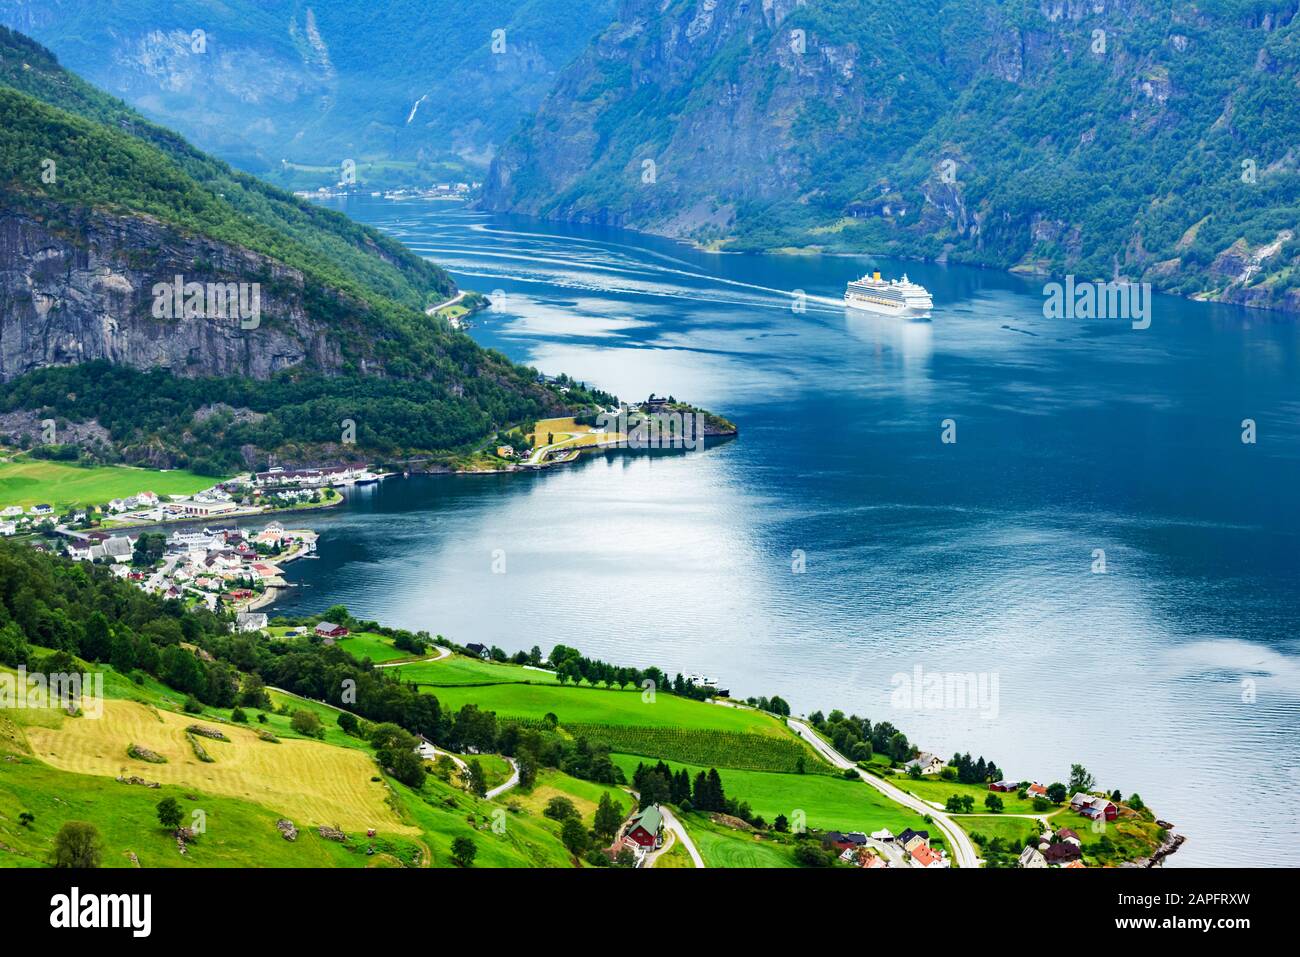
<point>307,723</point>
<point>560,809</point>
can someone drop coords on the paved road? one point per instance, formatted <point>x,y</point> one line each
<point>962,848</point>
<point>503,788</point>
<point>442,653</point>
<point>443,305</point>
<point>679,831</point>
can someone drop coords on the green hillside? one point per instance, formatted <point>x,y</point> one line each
<point>313,84</point>
<point>91,174</point>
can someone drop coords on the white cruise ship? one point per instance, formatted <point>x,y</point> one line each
<point>890,297</point>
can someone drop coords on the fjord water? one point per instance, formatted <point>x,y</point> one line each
<point>1172,674</point>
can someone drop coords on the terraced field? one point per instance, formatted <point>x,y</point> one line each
<point>307,781</point>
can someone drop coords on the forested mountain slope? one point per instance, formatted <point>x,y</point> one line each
<point>425,88</point>
<point>99,209</point>
<point>1147,139</point>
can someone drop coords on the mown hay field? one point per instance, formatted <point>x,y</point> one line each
<point>310,782</point>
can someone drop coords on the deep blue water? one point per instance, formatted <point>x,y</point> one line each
<point>1173,674</point>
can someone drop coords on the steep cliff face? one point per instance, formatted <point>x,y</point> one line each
<point>1147,139</point>
<point>84,289</point>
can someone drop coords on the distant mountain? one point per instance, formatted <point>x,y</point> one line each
<point>101,212</point>
<point>1148,139</point>
<point>411,90</point>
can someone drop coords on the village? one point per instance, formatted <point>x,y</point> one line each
<point>226,569</point>
<point>276,489</point>
<point>221,568</point>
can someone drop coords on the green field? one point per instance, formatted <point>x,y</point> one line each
<point>1015,831</point>
<point>460,670</point>
<point>550,783</point>
<point>670,727</point>
<point>587,705</point>
<point>377,648</point>
<point>932,788</point>
<point>725,847</point>
<point>496,769</point>
<point>28,482</point>
<point>241,832</point>
<point>828,803</point>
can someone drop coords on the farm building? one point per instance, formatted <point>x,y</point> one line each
<point>1094,807</point>
<point>327,629</point>
<point>646,828</point>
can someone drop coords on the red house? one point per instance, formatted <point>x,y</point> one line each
<point>327,629</point>
<point>646,829</point>
<point>1094,807</point>
<point>1003,786</point>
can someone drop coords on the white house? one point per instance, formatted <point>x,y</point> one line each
<point>927,762</point>
<point>11,511</point>
<point>1032,857</point>
<point>250,621</point>
<point>8,528</point>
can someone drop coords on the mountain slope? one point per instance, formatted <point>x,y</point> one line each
<point>1147,139</point>
<point>100,211</point>
<point>412,81</point>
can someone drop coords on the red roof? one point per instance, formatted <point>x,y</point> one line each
<point>924,855</point>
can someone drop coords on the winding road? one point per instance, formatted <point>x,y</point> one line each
<point>962,848</point>
<point>503,788</point>
<point>679,831</point>
<point>442,653</point>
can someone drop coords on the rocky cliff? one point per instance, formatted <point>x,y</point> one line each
<point>1146,139</point>
<point>77,289</point>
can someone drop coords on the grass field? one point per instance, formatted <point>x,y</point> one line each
<point>28,482</point>
<point>496,769</point>
<point>676,856</point>
<point>828,803</point>
<point>239,833</point>
<point>724,847</point>
<point>377,648</point>
<point>310,782</point>
<point>1015,831</point>
<point>585,795</point>
<point>930,788</point>
<point>460,670</point>
<point>670,727</point>
<point>587,705</point>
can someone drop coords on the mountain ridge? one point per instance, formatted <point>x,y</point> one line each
<point>1132,139</point>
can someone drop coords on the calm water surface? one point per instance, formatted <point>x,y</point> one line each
<point>1173,674</point>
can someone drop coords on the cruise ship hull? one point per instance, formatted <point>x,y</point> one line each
<point>901,311</point>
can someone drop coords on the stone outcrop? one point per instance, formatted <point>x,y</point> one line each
<point>78,286</point>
